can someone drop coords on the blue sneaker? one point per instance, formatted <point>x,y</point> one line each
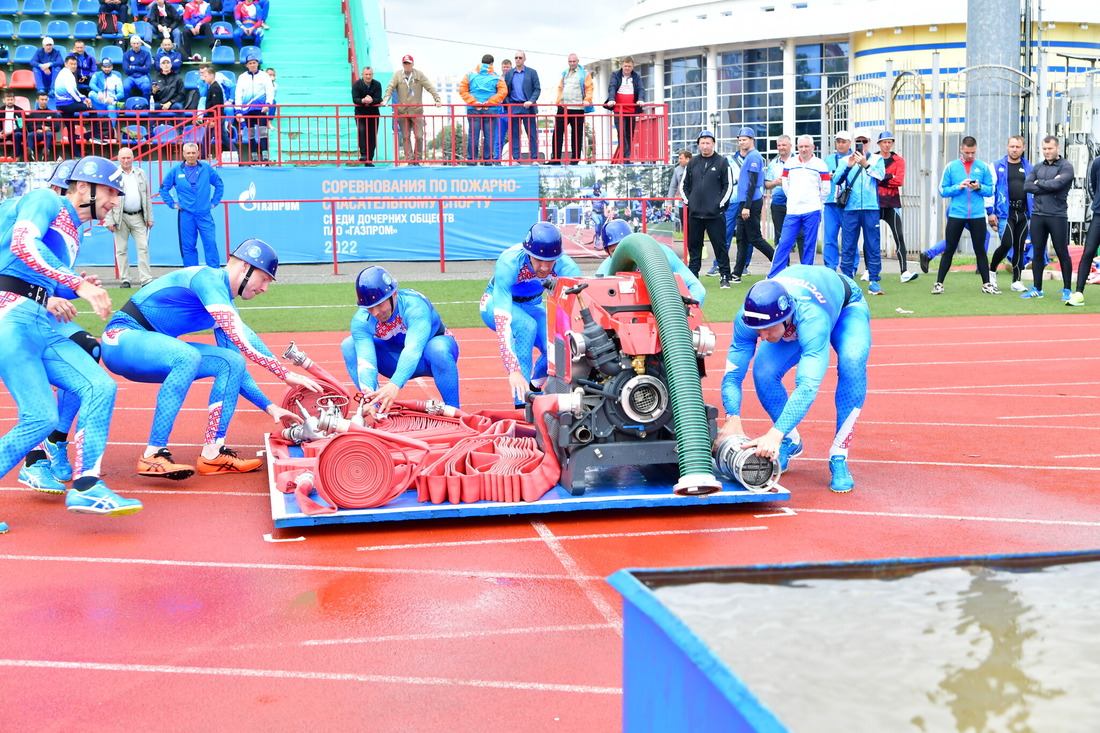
<point>1032,292</point>
<point>100,500</point>
<point>59,459</point>
<point>874,288</point>
<point>40,478</point>
<point>713,271</point>
<point>788,449</point>
<point>3,527</point>
<point>842,481</point>
<point>1066,293</point>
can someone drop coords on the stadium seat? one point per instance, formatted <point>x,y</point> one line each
<point>252,52</point>
<point>223,55</point>
<point>88,7</point>
<point>29,29</point>
<point>59,29</point>
<point>61,50</point>
<point>145,31</point>
<point>62,7</point>
<point>24,54</point>
<point>190,80</point>
<point>9,7</point>
<point>22,103</point>
<point>221,29</point>
<point>7,29</point>
<point>3,79</point>
<point>114,53</point>
<point>133,133</point>
<point>85,29</point>
<point>34,7</point>
<point>22,79</point>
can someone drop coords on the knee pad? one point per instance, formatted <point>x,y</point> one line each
<point>88,342</point>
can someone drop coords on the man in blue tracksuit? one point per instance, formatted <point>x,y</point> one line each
<point>512,303</point>
<point>860,171</point>
<point>483,91</point>
<point>830,250</point>
<point>137,64</point>
<point>198,189</point>
<point>1010,213</point>
<point>748,203</point>
<point>798,315</point>
<point>966,183</point>
<point>398,334</point>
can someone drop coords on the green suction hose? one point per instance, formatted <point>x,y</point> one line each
<point>643,253</point>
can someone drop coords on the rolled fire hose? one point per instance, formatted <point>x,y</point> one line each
<point>298,395</point>
<point>689,415</point>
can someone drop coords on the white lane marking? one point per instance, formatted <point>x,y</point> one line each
<point>1006,466</point>
<point>783,511</point>
<point>987,362</point>
<point>476,634</point>
<point>1044,341</point>
<point>583,581</point>
<point>1081,455</point>
<point>563,538</point>
<point>1044,417</point>
<point>269,538</point>
<point>1029,385</point>
<point>303,675</point>
<point>482,574</point>
<point>166,492</point>
<point>905,515</point>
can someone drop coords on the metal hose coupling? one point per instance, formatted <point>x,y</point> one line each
<point>297,357</point>
<point>758,474</point>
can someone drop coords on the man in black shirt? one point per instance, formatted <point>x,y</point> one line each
<point>706,188</point>
<point>1049,182</point>
<point>217,130</point>
<point>366,94</point>
<point>1010,213</point>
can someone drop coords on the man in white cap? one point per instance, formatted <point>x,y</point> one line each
<point>831,249</point>
<point>45,63</point>
<point>410,85</point>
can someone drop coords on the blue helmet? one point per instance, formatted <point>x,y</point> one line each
<point>137,103</point>
<point>60,175</point>
<point>373,286</point>
<point>596,186</point>
<point>766,304</point>
<point>613,233</point>
<point>747,132</point>
<point>259,254</point>
<point>543,241</point>
<point>885,135</point>
<point>97,170</point>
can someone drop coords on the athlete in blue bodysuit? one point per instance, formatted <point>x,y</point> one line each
<point>599,213</point>
<point>141,344</point>
<point>399,334</point>
<point>614,232</point>
<point>39,248</point>
<point>512,304</point>
<point>798,315</point>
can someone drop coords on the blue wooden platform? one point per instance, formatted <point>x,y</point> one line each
<point>619,487</point>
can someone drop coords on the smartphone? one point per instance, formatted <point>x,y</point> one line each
<point>861,147</point>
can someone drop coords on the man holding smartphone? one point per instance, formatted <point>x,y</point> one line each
<point>860,172</point>
<point>966,183</point>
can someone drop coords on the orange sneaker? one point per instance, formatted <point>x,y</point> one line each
<point>227,462</point>
<point>161,466</point>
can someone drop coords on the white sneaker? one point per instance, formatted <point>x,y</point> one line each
<point>993,279</point>
<point>865,277</point>
<point>907,277</point>
<point>1018,287</point>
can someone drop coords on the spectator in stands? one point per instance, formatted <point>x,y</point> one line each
<point>523,96</point>
<point>168,50</point>
<point>366,95</point>
<point>137,64</point>
<point>111,13</point>
<point>574,100</point>
<point>46,63</point>
<point>40,129</point>
<point>196,22</point>
<point>167,88</point>
<point>483,91</point>
<point>11,128</point>
<point>625,95</point>
<point>85,66</point>
<point>198,189</point>
<point>502,121</point>
<point>254,97</point>
<point>132,217</point>
<point>249,24</point>
<point>410,85</point>
<point>270,71</point>
<point>213,96</point>
<point>166,21</point>
<point>106,92</point>
<point>68,99</point>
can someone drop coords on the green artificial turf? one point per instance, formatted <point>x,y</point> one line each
<point>322,307</point>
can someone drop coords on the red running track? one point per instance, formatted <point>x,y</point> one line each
<point>979,436</point>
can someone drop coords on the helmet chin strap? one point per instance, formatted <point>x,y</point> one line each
<point>91,202</point>
<point>244,283</point>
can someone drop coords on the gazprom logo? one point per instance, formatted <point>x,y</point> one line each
<point>784,302</point>
<point>387,279</point>
<point>254,252</point>
<point>248,202</point>
<point>89,167</point>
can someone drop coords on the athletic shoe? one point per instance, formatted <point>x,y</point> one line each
<point>874,288</point>
<point>227,462</point>
<point>100,500</point>
<point>40,478</point>
<point>724,284</point>
<point>788,449</point>
<point>59,459</point>
<point>991,289</point>
<point>713,271</point>
<point>1066,295</point>
<point>865,277</point>
<point>908,277</point>
<point>1032,293</point>
<point>937,289</point>
<point>925,260</point>
<point>3,527</point>
<point>162,466</point>
<point>1018,287</point>
<point>842,481</point>
<point>1076,299</point>
<point>993,278</point>
<point>735,279</point>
